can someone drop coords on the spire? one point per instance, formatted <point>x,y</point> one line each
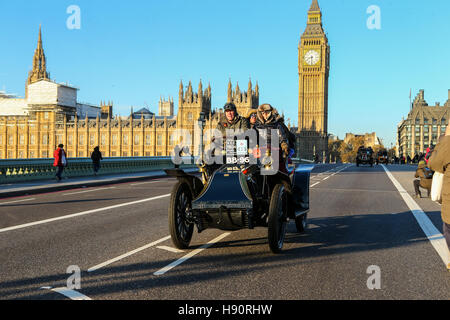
<point>250,86</point>
<point>314,6</point>
<point>230,91</point>
<point>39,70</point>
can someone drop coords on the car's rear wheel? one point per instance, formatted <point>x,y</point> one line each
<point>277,218</point>
<point>180,227</point>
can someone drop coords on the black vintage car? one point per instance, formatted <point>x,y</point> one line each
<point>364,156</point>
<point>238,195</point>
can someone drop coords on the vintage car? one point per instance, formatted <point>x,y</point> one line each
<point>364,156</point>
<point>237,195</point>
<point>382,157</point>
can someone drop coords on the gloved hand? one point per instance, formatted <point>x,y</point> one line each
<point>285,149</point>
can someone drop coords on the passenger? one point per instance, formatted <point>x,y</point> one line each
<point>268,119</point>
<point>425,176</point>
<point>60,161</point>
<point>252,117</point>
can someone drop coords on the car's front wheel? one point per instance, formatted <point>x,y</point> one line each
<point>277,218</point>
<point>180,227</point>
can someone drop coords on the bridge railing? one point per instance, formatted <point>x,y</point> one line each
<point>20,170</point>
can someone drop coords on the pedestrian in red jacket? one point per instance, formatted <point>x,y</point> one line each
<point>60,161</point>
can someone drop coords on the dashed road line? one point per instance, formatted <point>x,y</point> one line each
<point>167,248</point>
<point>31,224</point>
<point>15,201</point>
<point>125,255</point>
<point>69,293</point>
<point>85,191</point>
<point>190,255</point>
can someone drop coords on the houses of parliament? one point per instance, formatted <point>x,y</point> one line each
<point>50,113</point>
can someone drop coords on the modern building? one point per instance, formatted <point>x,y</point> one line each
<point>313,70</point>
<point>422,127</point>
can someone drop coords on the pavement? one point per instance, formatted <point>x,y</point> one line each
<point>367,239</point>
<point>41,186</point>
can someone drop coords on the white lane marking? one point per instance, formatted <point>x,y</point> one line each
<point>170,249</point>
<point>331,175</point>
<point>190,255</point>
<point>91,190</point>
<point>31,224</point>
<point>28,199</point>
<point>69,293</point>
<point>101,265</point>
<point>436,238</point>
<point>147,182</point>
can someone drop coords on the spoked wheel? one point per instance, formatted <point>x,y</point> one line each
<point>300,222</point>
<point>180,228</point>
<point>277,218</point>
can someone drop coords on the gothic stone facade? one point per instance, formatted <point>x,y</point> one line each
<point>423,126</point>
<point>50,115</point>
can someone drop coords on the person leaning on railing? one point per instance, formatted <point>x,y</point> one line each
<point>438,162</point>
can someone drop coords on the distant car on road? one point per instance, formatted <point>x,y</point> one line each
<point>364,156</point>
<point>382,157</point>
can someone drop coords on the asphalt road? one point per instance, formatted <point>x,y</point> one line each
<point>361,234</point>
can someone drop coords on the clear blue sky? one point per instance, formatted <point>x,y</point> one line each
<point>132,52</point>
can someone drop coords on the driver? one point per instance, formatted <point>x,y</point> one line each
<point>232,120</point>
<point>268,118</point>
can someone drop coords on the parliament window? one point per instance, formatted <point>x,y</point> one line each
<point>136,140</point>
<point>21,139</point>
<point>92,139</point>
<point>125,139</point>
<point>45,139</point>
<point>148,139</point>
<point>159,140</point>
<point>103,141</point>
<point>70,140</point>
<point>81,140</point>
<point>10,140</point>
<point>114,140</point>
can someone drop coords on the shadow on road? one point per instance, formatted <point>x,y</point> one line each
<point>326,238</point>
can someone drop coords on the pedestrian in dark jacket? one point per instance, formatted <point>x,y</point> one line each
<point>425,176</point>
<point>60,161</point>
<point>96,156</point>
<point>438,162</point>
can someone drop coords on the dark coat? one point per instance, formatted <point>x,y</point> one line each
<point>96,156</point>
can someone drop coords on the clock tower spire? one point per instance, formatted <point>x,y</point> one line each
<point>313,70</point>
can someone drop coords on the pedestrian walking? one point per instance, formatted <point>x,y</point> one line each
<point>96,156</point>
<point>60,161</point>
<point>439,161</point>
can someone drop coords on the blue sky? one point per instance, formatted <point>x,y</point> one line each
<point>132,52</point>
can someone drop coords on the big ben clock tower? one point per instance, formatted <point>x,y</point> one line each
<point>313,70</point>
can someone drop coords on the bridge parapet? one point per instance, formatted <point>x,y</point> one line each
<point>21,170</point>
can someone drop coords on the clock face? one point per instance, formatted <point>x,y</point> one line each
<point>312,57</point>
